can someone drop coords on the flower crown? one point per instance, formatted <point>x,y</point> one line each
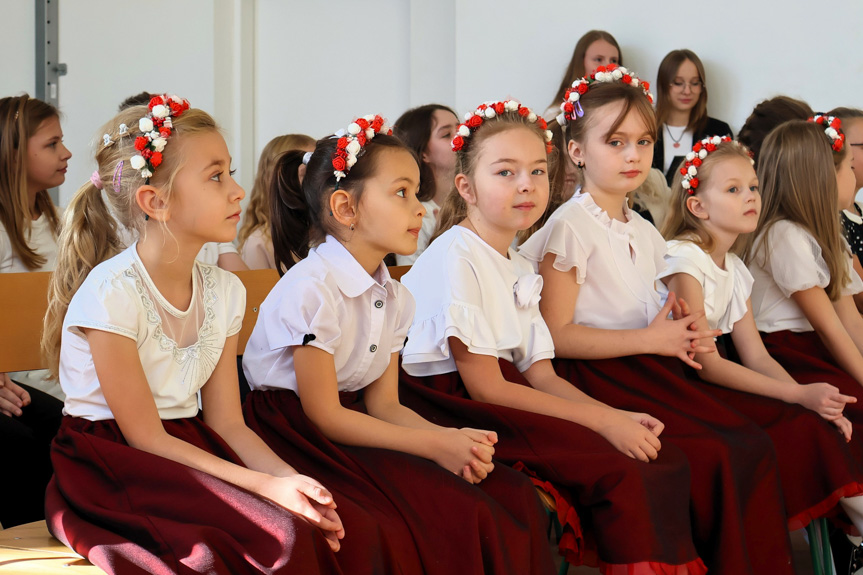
<point>156,127</point>
<point>696,157</point>
<point>833,131</point>
<point>571,107</point>
<point>351,143</point>
<point>473,120</point>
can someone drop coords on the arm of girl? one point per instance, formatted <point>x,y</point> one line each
<point>822,314</point>
<point>668,337</point>
<point>128,395</point>
<point>858,269</point>
<point>232,262</point>
<point>632,434</point>
<point>404,431</point>
<point>851,319</point>
<point>760,374</point>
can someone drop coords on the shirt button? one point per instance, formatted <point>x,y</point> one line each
<point>373,348</point>
<point>379,304</point>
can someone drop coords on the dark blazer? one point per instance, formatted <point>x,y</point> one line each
<point>714,127</point>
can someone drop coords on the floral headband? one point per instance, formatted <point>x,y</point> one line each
<point>156,128</point>
<point>833,131</point>
<point>695,158</point>
<point>571,107</point>
<point>488,110</point>
<point>350,144</point>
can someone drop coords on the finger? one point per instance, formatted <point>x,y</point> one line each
<point>467,474</point>
<point>10,396</point>
<point>481,452</point>
<point>317,493</point>
<point>478,470</point>
<point>657,428</point>
<point>845,398</point>
<point>480,435</point>
<point>684,307</point>
<point>650,451</point>
<point>492,436</point>
<point>689,361</point>
<point>9,408</point>
<point>333,517</point>
<point>705,334</point>
<point>639,455</point>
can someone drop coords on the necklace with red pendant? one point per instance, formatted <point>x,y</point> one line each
<point>676,141</point>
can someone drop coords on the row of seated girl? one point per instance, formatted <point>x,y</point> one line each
<point>407,457</point>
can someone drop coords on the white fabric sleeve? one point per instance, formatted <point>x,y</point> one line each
<point>742,289</point>
<point>5,250</point>
<point>557,237</point>
<point>235,302</point>
<point>227,248</point>
<point>109,304</point>
<point>795,259</point>
<point>308,317</point>
<point>685,258</point>
<point>407,307</point>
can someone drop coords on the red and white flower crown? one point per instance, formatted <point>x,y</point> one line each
<point>696,157</point>
<point>156,128</point>
<point>571,107</point>
<point>488,110</point>
<point>832,129</point>
<point>351,142</point>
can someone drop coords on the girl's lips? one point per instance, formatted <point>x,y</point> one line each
<point>415,232</point>
<point>525,206</point>
<point>234,216</point>
<point>750,213</point>
<point>631,173</point>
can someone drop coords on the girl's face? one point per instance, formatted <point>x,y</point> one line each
<point>390,215</point>
<point>615,163</point>
<point>47,157</point>
<point>846,181</point>
<point>729,201</point>
<point>438,153</point>
<point>854,140</point>
<point>600,53</point>
<point>685,89</point>
<point>508,191</point>
<point>205,203</point>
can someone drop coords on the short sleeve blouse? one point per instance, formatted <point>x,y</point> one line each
<point>41,239</point>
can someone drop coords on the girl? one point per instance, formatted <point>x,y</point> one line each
<point>681,110</point>
<point>595,48</point>
<point>801,298</point>
<point>133,335</point>
<point>767,115</point>
<point>598,261</point>
<point>468,320</point>
<point>322,362</point>
<point>707,218</point>
<point>32,160</point>
<point>428,131</point>
<point>254,239</point>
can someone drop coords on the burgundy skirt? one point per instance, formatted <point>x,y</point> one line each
<point>636,514</point>
<point>736,502</point>
<point>432,521</point>
<point>129,511</point>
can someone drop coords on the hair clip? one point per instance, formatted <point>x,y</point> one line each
<point>306,157</point>
<point>106,140</point>
<point>118,176</point>
<point>488,110</point>
<point>124,129</point>
<point>96,179</point>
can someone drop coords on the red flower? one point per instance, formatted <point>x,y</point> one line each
<point>582,88</point>
<point>498,107</point>
<point>683,171</point>
<point>693,183</point>
<point>611,67</point>
<point>482,107</point>
<point>837,145</point>
<point>341,153</point>
<point>627,79</point>
<point>339,164</point>
<point>600,69</point>
<point>568,108</point>
<point>457,143</point>
<point>525,112</point>
<point>710,147</point>
<point>377,124</point>
<point>836,123</point>
<point>147,154</point>
<point>363,123</point>
<point>361,138</point>
<point>566,95</point>
<point>646,86</point>
<point>548,147</point>
<point>141,142</point>
<point>157,122</point>
<point>650,98</point>
<point>155,101</point>
<point>156,159</point>
<point>165,132</point>
<point>541,122</point>
<point>696,162</point>
<point>474,122</point>
<point>177,109</point>
<point>342,143</point>
<point>697,147</point>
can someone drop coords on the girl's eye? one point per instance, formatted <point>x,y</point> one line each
<point>504,173</point>
<point>615,143</point>
<point>753,189</point>
<point>645,142</point>
<point>401,193</point>
<point>538,172</point>
<point>232,172</point>
<point>732,190</point>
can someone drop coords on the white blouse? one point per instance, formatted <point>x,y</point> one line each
<point>427,229</point>
<point>466,289</point>
<point>725,290</point>
<point>179,349</point>
<point>616,262</point>
<point>41,239</point>
<point>330,302</point>
<point>795,264</point>
<point>258,251</point>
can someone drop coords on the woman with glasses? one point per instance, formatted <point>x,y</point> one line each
<point>681,110</point>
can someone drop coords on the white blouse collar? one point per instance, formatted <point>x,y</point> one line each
<point>589,204</point>
<point>350,276</point>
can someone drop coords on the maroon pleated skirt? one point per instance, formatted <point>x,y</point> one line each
<point>808,360</point>
<point>738,515</point>
<point>449,525</point>
<point>129,511</point>
<point>635,515</point>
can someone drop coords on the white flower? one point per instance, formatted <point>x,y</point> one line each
<point>717,140</point>
<point>370,118</point>
<point>159,111</point>
<point>527,290</point>
<point>531,117</point>
<point>832,133</point>
<point>468,116</point>
<point>692,171</point>
<point>145,173</point>
<point>634,82</point>
<point>574,96</point>
<point>548,135</point>
<point>702,154</point>
<point>690,156</point>
<point>617,74</point>
<point>510,106</point>
<point>124,129</point>
<point>159,144</point>
<point>489,113</point>
<point>370,133</point>
<point>339,175</point>
<point>463,131</point>
<point>353,147</point>
<point>138,162</point>
<point>168,123</point>
<point>354,129</point>
<point>351,161</point>
<point>685,184</point>
<point>153,135</point>
<point>145,125</point>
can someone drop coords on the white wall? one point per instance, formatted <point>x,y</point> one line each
<point>18,47</point>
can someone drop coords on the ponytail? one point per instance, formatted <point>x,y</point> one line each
<point>88,237</point>
<point>289,221</point>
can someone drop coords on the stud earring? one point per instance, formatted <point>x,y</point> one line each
<point>146,217</point>
<point>352,227</point>
<point>580,165</point>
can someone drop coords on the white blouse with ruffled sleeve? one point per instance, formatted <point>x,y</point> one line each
<point>726,290</point>
<point>466,289</point>
<point>795,264</point>
<point>330,302</point>
<point>616,262</point>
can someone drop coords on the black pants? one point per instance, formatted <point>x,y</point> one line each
<point>26,467</point>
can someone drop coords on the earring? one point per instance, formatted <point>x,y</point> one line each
<point>146,217</point>
<point>352,227</point>
<point>580,165</point>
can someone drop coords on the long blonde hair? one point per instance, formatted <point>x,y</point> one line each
<point>90,232</point>
<point>20,118</point>
<point>798,183</point>
<point>681,223</point>
<point>258,211</point>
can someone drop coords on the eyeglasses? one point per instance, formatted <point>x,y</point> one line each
<point>694,86</point>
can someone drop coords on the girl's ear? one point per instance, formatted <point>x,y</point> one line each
<point>150,200</point>
<point>576,153</point>
<point>696,208</point>
<point>343,208</point>
<point>465,189</point>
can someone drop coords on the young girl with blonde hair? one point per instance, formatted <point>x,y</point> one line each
<point>714,204</point>
<point>143,482</point>
<point>614,340</point>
